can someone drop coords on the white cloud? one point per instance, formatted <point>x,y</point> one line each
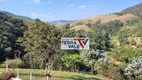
<point>71,5</point>
<point>49,13</point>
<point>83,6</point>
<point>66,14</point>
<point>50,2</point>
<point>86,6</point>
<point>36,1</point>
<point>30,1</point>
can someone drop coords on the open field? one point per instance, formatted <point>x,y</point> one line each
<point>81,27</point>
<point>56,75</point>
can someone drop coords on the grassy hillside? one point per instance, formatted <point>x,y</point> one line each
<point>132,35</point>
<point>127,14</point>
<point>84,24</point>
<point>81,27</point>
<point>60,23</point>
<point>106,18</point>
<point>136,10</point>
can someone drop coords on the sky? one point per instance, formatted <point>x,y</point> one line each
<point>51,10</point>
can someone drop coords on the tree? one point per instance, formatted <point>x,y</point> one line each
<point>99,40</point>
<point>67,26</point>
<point>118,14</point>
<point>42,44</point>
<point>101,34</point>
<point>134,69</point>
<point>91,57</point>
<point>89,25</point>
<point>70,60</point>
<point>81,34</point>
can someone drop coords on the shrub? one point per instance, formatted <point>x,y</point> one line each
<point>139,33</point>
<point>7,75</point>
<point>111,71</point>
<point>134,69</point>
<point>13,63</point>
<point>118,14</point>
<point>73,62</point>
<point>91,56</point>
<point>122,53</point>
<point>132,22</point>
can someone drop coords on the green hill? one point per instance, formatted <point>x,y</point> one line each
<point>16,16</point>
<point>10,29</point>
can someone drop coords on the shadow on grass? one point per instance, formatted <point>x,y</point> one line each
<point>34,74</point>
<point>83,78</point>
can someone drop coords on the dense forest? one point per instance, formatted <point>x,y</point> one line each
<point>10,30</point>
<point>115,47</point>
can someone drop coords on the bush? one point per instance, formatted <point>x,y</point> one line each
<point>132,22</point>
<point>122,53</point>
<point>118,14</point>
<point>132,31</point>
<point>72,62</point>
<point>111,71</point>
<point>7,75</point>
<point>13,63</point>
<point>134,69</point>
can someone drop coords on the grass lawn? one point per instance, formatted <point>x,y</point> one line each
<point>56,75</point>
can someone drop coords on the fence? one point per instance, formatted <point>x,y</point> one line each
<point>17,72</point>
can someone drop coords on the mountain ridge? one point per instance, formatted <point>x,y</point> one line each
<point>16,16</point>
<point>60,21</point>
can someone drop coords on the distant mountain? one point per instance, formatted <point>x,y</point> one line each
<point>136,10</point>
<point>17,16</point>
<point>60,21</point>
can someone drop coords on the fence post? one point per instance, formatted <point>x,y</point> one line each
<point>30,75</point>
<point>6,68</point>
<point>18,73</point>
<point>47,77</point>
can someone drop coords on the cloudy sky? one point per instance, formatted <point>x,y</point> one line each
<point>49,10</point>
